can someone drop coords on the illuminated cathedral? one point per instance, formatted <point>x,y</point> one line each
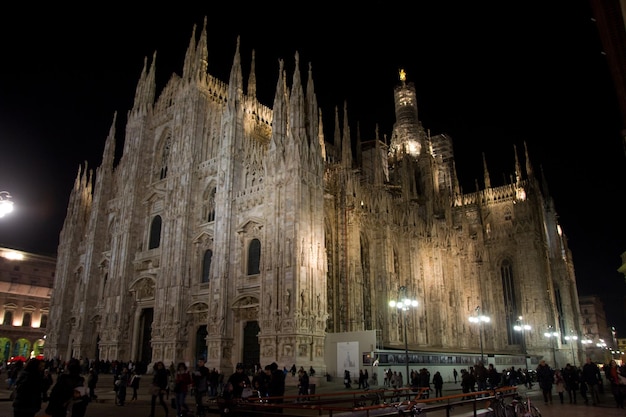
<point>239,232</point>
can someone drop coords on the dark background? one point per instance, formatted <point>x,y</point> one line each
<point>493,76</point>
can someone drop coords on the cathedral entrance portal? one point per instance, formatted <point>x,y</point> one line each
<point>251,346</point>
<point>145,334</point>
<point>201,347</point>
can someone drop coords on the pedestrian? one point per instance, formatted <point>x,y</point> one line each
<point>238,381</point>
<point>545,378</point>
<point>570,375</point>
<point>559,382</point>
<point>29,389</point>
<point>135,378</point>
<point>590,376</point>
<point>455,374</point>
<point>303,385</point>
<point>122,382</point>
<point>181,387</point>
<point>68,392</point>
<point>200,380</point>
<point>47,384</point>
<point>438,383</point>
<point>92,382</point>
<point>612,373</point>
<point>276,385</point>
<point>159,387</point>
<point>346,378</point>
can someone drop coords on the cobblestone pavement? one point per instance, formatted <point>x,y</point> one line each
<point>105,406</point>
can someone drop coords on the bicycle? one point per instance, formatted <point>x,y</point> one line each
<point>499,407</point>
<point>410,410</point>
<point>524,408</point>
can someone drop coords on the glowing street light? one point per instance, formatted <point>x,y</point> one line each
<point>551,334</point>
<point>481,320</point>
<point>6,204</point>
<point>522,327</point>
<point>571,339</point>
<point>403,305</point>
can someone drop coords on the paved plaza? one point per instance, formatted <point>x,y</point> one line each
<point>105,406</point>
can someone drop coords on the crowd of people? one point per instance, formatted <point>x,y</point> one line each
<point>76,380</point>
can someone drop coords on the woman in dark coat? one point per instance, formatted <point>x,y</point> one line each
<point>29,389</point>
<point>159,385</point>
<point>67,392</point>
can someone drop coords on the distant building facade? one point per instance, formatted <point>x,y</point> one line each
<point>26,281</point>
<point>597,336</point>
<point>242,233</point>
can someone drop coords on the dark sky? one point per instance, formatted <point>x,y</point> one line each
<point>491,76</point>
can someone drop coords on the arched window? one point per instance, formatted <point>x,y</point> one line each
<point>44,321</point>
<point>254,257</point>
<point>206,265</point>
<point>8,318</point>
<point>155,233</point>
<point>27,319</point>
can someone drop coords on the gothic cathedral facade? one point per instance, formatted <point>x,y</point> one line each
<point>235,231</point>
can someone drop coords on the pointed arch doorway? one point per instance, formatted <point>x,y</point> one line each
<point>251,346</point>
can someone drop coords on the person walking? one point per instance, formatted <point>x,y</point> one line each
<point>570,375</point>
<point>559,382</point>
<point>455,374</point>
<point>590,375</point>
<point>612,373</point>
<point>29,389</point>
<point>122,382</point>
<point>182,382</point>
<point>159,387</point>
<point>135,378</point>
<point>68,392</point>
<point>47,384</point>
<point>303,385</point>
<point>545,378</point>
<point>438,383</point>
<point>92,382</point>
<point>200,380</point>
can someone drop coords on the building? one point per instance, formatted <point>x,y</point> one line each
<point>244,233</point>
<point>598,341</point>
<point>26,281</point>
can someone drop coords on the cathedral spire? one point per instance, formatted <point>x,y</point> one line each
<point>108,156</point>
<point>337,135</point>
<point>529,167</point>
<point>146,87</point>
<point>279,119</point>
<point>251,91</point>
<point>486,173</point>
<point>202,56</point>
<point>346,146</point>
<point>188,65</point>
<point>235,82</point>
<point>297,118</point>
<point>518,167</point>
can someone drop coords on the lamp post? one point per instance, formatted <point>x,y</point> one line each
<point>6,204</point>
<point>551,334</point>
<point>522,327</point>
<point>403,305</point>
<point>481,320</point>
<point>572,340</point>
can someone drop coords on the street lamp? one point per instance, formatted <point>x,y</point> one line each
<point>403,305</point>
<point>6,204</point>
<point>481,320</point>
<point>522,327</point>
<point>551,334</point>
<point>571,339</point>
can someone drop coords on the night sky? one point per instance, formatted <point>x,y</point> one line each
<point>492,77</point>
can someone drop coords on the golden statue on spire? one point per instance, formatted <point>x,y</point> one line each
<point>402,75</point>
